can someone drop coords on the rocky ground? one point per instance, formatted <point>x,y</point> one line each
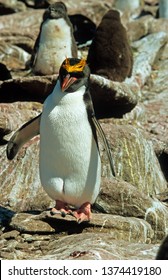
<point>130,217</point>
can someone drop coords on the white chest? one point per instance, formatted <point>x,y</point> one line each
<point>65,119</point>
<point>54,30</point>
<point>54,46</point>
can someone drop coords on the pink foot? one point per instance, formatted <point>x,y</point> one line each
<point>83,213</point>
<point>61,208</point>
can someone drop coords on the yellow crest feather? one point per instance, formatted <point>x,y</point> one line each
<point>74,68</point>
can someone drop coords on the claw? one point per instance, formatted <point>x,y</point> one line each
<point>60,208</point>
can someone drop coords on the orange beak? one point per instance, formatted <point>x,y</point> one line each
<point>67,82</point>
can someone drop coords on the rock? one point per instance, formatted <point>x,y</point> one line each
<point>146,56</point>
<point>134,158</point>
<point>23,191</point>
<point>12,116</point>
<point>135,230</point>
<point>18,54</point>
<point>109,98</point>
<point>27,88</point>
<point>121,198</point>
<point>138,28</point>
<point>11,6</point>
<point>118,197</point>
<point>127,5</point>
<point>112,99</point>
<point>3,243</point>
<point>142,26</point>
<point>157,216</point>
<point>10,234</point>
<point>157,126</point>
<point>158,24</point>
<point>25,184</point>
<point>99,247</point>
<point>29,18</point>
<point>156,106</point>
<point>27,223</point>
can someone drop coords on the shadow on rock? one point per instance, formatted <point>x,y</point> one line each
<point>6,216</point>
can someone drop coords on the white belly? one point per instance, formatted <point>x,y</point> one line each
<point>54,46</point>
<point>70,167</point>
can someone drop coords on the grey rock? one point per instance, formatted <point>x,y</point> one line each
<point>147,51</point>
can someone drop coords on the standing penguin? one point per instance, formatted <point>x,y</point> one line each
<point>70,166</point>
<point>110,54</point>
<point>55,41</point>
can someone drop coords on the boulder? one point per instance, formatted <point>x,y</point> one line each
<point>134,158</point>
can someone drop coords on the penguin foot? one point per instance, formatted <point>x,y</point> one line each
<point>83,214</point>
<point>61,208</point>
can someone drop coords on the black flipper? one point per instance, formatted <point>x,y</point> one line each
<point>97,127</point>
<point>106,144</point>
<point>23,135</point>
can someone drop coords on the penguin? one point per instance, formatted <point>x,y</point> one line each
<point>84,30</point>
<point>69,162</point>
<point>110,54</point>
<point>55,41</point>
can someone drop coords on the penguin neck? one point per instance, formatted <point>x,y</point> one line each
<point>63,98</point>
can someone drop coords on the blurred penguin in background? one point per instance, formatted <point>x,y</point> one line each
<point>110,54</point>
<point>55,41</point>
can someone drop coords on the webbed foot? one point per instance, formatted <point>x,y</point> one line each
<point>83,214</point>
<point>61,208</point>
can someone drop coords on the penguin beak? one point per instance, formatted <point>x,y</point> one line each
<point>67,82</point>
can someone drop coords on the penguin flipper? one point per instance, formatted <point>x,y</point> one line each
<point>23,135</point>
<point>106,144</point>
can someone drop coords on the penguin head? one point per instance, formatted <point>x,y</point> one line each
<point>55,11</point>
<point>74,73</point>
